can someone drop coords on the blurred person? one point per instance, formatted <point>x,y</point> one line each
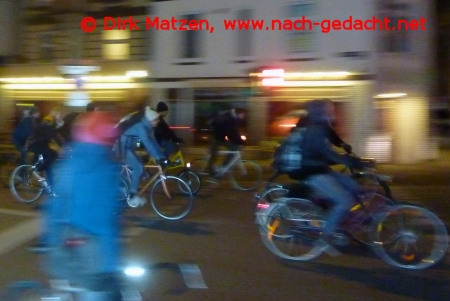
<point>163,133</point>
<point>339,189</point>
<point>83,223</point>
<point>225,134</point>
<point>24,131</point>
<point>44,134</point>
<point>138,128</point>
<point>69,119</point>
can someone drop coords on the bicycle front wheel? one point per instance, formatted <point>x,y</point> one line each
<point>246,175</point>
<point>410,237</point>
<point>171,198</point>
<point>25,185</point>
<point>291,229</point>
<point>192,179</point>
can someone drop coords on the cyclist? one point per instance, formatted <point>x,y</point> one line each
<point>69,119</point>
<point>24,130</point>
<point>163,133</point>
<point>85,208</point>
<point>43,135</point>
<point>141,130</point>
<point>339,189</point>
<point>225,133</point>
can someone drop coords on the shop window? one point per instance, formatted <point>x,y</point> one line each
<point>116,44</point>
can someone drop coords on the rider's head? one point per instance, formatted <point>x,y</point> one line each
<point>320,110</point>
<point>96,128</point>
<point>152,116</point>
<point>162,108</point>
<point>239,113</point>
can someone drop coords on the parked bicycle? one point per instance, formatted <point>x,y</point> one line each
<point>185,172</point>
<point>170,197</point>
<point>27,184</point>
<point>243,174</point>
<point>401,235</point>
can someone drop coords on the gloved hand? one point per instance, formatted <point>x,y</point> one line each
<point>347,148</point>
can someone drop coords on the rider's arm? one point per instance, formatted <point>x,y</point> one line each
<point>321,146</point>
<point>150,143</point>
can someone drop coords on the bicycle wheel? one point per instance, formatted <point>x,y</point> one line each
<point>192,179</point>
<point>291,228</point>
<point>358,223</point>
<point>246,175</point>
<point>25,185</point>
<point>410,237</point>
<point>264,199</point>
<point>169,200</point>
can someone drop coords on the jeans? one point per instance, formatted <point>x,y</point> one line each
<point>137,168</point>
<point>23,152</point>
<point>340,190</point>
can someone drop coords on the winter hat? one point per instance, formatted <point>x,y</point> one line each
<point>162,107</point>
<point>151,114</point>
<point>96,128</point>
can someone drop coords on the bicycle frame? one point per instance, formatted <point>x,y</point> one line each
<point>237,159</point>
<point>160,173</point>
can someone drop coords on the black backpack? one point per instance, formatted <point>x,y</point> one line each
<point>288,156</point>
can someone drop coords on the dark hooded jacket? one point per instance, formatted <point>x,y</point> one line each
<point>316,148</point>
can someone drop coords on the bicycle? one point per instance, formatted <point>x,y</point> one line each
<point>186,174</point>
<point>170,197</point>
<point>26,184</point>
<point>243,174</point>
<point>404,236</point>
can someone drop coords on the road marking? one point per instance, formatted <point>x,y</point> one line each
<point>192,275</point>
<point>19,234</point>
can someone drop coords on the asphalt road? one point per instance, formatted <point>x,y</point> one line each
<point>216,254</point>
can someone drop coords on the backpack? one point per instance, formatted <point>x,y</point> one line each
<point>288,156</point>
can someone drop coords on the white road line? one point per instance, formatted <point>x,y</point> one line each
<point>192,275</point>
<point>19,234</point>
<point>18,212</point>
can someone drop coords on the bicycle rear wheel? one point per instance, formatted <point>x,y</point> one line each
<point>246,175</point>
<point>192,179</point>
<point>410,237</point>
<point>265,198</point>
<point>25,185</point>
<point>171,198</point>
<point>291,229</point>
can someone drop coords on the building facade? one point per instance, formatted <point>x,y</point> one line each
<point>380,79</point>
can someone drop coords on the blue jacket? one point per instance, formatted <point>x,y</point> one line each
<point>87,197</point>
<point>144,132</point>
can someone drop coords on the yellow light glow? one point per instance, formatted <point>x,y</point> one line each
<point>303,75</point>
<point>391,95</point>
<point>330,83</point>
<point>273,72</point>
<point>276,81</point>
<point>137,73</point>
<point>287,125</point>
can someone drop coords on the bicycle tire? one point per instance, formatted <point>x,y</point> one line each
<point>264,199</point>
<point>373,205</point>
<point>180,202</point>
<point>246,175</point>
<point>24,185</point>
<point>192,179</point>
<point>291,229</point>
<point>409,237</point>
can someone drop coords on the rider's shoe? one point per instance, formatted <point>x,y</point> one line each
<point>136,201</point>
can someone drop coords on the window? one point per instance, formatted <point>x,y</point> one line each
<point>300,41</point>
<point>191,39</point>
<point>48,46</point>
<point>398,40</point>
<point>116,44</point>
<point>244,37</point>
